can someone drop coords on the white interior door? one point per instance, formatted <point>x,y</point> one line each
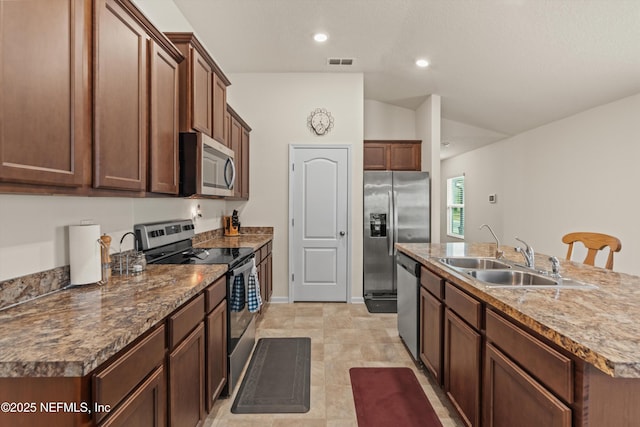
<point>319,210</point>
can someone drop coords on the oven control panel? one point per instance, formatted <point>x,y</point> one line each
<point>162,233</point>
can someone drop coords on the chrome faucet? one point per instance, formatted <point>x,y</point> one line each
<point>124,269</point>
<point>499,253</point>
<point>135,240</point>
<point>528,253</point>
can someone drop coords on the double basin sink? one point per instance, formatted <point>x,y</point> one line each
<point>497,273</point>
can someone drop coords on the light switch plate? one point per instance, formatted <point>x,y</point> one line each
<point>492,198</point>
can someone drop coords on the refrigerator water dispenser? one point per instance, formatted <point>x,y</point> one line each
<point>378,223</point>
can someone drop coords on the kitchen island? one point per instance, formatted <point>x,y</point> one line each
<point>591,334</point>
<point>52,346</point>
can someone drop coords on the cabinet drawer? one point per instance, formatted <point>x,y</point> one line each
<point>432,282</point>
<point>551,368</point>
<point>115,382</point>
<point>269,247</point>
<point>464,305</point>
<point>146,406</point>
<point>184,320</point>
<point>215,293</point>
<point>261,254</point>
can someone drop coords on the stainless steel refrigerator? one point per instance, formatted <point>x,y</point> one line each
<point>396,209</point>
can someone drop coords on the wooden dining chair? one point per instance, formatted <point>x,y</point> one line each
<point>594,242</point>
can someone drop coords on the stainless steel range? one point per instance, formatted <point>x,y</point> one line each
<point>169,242</point>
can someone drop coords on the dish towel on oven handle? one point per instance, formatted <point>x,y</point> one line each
<point>237,294</point>
<point>254,300</point>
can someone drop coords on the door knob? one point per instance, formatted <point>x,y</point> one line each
<point>342,233</point>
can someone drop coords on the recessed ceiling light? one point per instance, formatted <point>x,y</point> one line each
<point>320,37</point>
<point>422,63</point>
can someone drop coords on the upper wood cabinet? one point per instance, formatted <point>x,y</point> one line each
<point>163,144</point>
<point>239,132</point>
<point>201,93</point>
<point>219,106</point>
<point>392,155</point>
<point>227,127</point>
<point>244,164</point>
<point>45,99</point>
<point>236,146</point>
<point>203,89</point>
<point>131,57</point>
<point>120,99</point>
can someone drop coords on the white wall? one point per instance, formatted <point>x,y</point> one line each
<point>165,15</point>
<point>33,229</point>
<point>577,174</point>
<point>484,175</point>
<point>428,130</point>
<point>276,106</point>
<point>386,121</point>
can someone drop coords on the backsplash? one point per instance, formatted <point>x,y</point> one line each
<point>24,288</point>
<point>207,235</point>
<point>31,286</point>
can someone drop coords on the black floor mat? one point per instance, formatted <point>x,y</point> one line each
<point>277,379</point>
<point>381,305</point>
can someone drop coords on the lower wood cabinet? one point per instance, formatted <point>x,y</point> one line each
<point>170,376</point>
<point>216,327</point>
<point>462,359</point>
<point>264,265</point>
<point>186,380</point>
<point>431,328</point>
<point>269,276</point>
<point>514,398</point>
<point>119,378</point>
<point>146,407</point>
<point>496,372</point>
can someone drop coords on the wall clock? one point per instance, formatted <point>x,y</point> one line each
<point>320,121</point>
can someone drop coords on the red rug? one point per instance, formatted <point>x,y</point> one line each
<point>390,397</point>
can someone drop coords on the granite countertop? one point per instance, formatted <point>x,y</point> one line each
<point>599,326</point>
<point>254,241</point>
<point>71,332</point>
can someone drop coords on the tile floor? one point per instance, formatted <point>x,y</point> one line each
<point>342,336</point>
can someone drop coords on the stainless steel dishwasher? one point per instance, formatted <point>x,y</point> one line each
<point>408,282</point>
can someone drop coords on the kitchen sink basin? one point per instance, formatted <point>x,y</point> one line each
<point>475,263</point>
<point>517,279</point>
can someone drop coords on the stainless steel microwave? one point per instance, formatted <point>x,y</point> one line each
<point>206,166</point>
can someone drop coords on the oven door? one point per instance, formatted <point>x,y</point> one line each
<point>218,168</point>
<point>241,328</point>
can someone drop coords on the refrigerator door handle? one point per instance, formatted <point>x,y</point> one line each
<point>395,222</point>
<point>390,225</point>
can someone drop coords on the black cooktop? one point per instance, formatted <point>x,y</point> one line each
<point>227,256</point>
<point>174,254</point>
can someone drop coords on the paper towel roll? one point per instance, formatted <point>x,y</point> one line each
<point>84,254</point>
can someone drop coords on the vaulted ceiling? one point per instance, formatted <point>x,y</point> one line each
<point>502,66</point>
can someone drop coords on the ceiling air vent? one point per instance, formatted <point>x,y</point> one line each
<point>340,61</point>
